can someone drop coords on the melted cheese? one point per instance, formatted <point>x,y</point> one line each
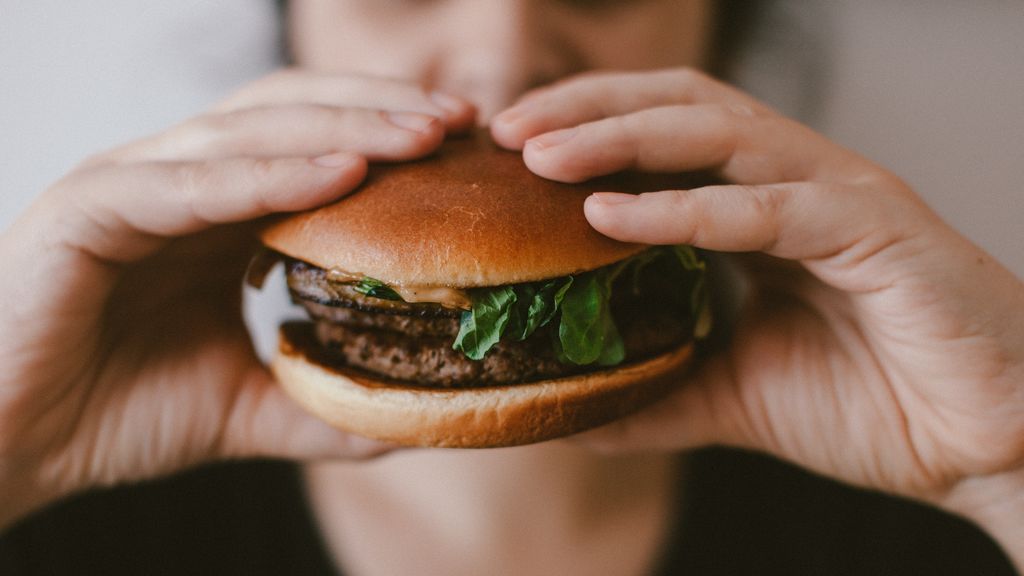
<point>443,295</point>
<point>343,277</point>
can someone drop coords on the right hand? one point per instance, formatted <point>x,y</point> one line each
<point>122,343</point>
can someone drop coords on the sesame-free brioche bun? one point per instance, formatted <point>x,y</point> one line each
<point>467,418</point>
<point>470,215</point>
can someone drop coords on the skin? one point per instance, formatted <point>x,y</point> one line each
<point>128,300</point>
<point>880,346</point>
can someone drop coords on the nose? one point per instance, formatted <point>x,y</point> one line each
<point>498,50</point>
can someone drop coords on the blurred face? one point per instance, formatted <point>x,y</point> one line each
<point>491,51</point>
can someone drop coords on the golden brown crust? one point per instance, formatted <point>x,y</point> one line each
<point>469,418</point>
<point>471,215</point>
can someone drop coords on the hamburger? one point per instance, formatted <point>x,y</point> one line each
<point>462,301</point>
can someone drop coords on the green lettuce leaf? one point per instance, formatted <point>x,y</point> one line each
<point>586,332</point>
<point>536,304</point>
<point>587,328</point>
<point>700,299</point>
<point>482,326</point>
<point>376,289</point>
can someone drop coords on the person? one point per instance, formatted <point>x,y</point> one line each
<point>878,347</point>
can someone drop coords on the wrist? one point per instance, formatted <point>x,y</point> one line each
<point>996,504</point>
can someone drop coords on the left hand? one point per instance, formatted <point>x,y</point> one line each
<point>884,349</point>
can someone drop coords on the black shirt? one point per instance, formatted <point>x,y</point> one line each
<point>744,514</point>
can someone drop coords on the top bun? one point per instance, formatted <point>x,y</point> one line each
<point>471,215</point>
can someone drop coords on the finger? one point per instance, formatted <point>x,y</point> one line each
<point>120,214</point>
<point>265,423</point>
<point>834,229</point>
<point>591,97</point>
<point>741,146</point>
<point>292,130</point>
<point>349,91</point>
<point>702,412</point>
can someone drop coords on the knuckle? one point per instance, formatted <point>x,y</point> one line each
<point>768,202</point>
<point>622,126</point>
<point>687,76</point>
<point>273,81</point>
<point>344,119</point>
<point>210,128</point>
<point>262,169</point>
<point>743,116</point>
<point>683,207</point>
<point>190,181</point>
<point>678,199</point>
<point>629,133</point>
<point>719,114</point>
<point>887,183</point>
<point>741,111</point>
<point>187,176</point>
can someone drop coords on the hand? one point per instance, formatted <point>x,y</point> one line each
<point>123,349</point>
<point>880,348</point>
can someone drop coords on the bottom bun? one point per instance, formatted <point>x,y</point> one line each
<point>467,418</point>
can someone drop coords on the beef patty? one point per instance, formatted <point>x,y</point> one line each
<point>412,342</point>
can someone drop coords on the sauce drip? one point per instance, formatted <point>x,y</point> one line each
<point>443,295</point>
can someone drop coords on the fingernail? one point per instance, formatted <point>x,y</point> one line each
<point>613,198</point>
<point>449,103</point>
<point>336,160</point>
<point>411,120</point>
<point>552,139</point>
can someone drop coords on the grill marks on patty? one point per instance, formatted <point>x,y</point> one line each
<point>413,342</point>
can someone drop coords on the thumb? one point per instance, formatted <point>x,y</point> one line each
<point>265,422</point>
<point>704,411</point>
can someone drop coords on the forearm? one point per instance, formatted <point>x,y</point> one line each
<point>996,504</point>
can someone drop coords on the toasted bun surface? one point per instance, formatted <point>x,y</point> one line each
<point>468,418</point>
<point>470,215</point>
